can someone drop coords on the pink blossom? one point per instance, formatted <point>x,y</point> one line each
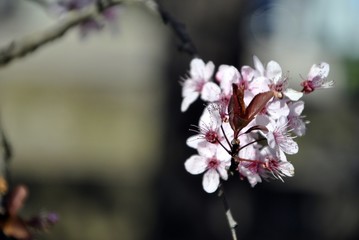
<point>279,138</point>
<point>317,78</point>
<point>198,83</point>
<point>277,82</point>
<point>212,163</point>
<point>295,120</point>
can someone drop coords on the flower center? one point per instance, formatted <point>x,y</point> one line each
<point>199,85</point>
<point>213,163</point>
<point>211,136</point>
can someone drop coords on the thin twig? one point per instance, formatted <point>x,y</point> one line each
<point>231,222</point>
<point>180,30</point>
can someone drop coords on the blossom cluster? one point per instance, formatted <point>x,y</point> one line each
<point>250,121</point>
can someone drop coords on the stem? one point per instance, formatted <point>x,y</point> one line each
<point>225,136</point>
<point>231,222</point>
<point>229,152</point>
<point>246,145</point>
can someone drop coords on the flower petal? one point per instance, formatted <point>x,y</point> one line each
<point>197,68</point>
<point>208,70</point>
<point>258,65</point>
<point>287,169</point>
<point>318,70</point>
<point>221,169</point>
<point>274,71</point>
<point>210,181</point>
<point>210,92</point>
<point>188,100</point>
<point>193,141</point>
<point>195,164</point>
<point>293,94</point>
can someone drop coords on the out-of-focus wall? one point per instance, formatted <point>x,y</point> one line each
<point>84,118</point>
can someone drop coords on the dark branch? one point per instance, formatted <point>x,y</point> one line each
<point>186,45</point>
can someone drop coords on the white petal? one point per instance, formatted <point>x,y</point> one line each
<point>197,68</point>
<point>259,85</point>
<point>253,178</point>
<point>208,71</point>
<point>321,70</point>
<point>258,65</point>
<point>293,94</point>
<point>278,108</point>
<point>296,108</point>
<point>188,100</point>
<point>193,141</point>
<point>227,75</point>
<point>247,73</point>
<point>271,140</point>
<point>207,150</point>
<point>287,169</point>
<point>274,71</point>
<point>210,92</point>
<point>281,156</point>
<point>210,119</point>
<point>210,181</point>
<point>196,164</point>
<point>289,146</point>
<point>299,127</point>
<point>222,171</point>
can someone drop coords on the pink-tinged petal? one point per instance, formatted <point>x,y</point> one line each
<point>274,72</point>
<point>281,156</point>
<point>258,65</point>
<point>289,146</point>
<point>247,73</point>
<point>210,119</point>
<point>296,108</point>
<point>298,126</point>
<point>189,86</point>
<point>196,164</point>
<point>210,92</point>
<point>259,85</point>
<point>248,152</point>
<point>197,67</point>
<point>264,120</point>
<point>253,178</point>
<point>287,169</point>
<point>221,169</point>
<point>208,71</point>
<point>208,150</point>
<point>278,108</point>
<point>271,140</point>
<point>319,70</point>
<point>188,100</point>
<point>292,94</point>
<point>193,141</point>
<point>221,154</point>
<point>210,181</point>
<point>227,75</point>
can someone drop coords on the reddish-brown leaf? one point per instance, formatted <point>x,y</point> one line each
<point>257,104</point>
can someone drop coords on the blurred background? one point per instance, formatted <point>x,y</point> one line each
<point>98,136</point>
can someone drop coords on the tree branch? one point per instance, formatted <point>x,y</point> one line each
<point>21,47</point>
<point>179,29</point>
